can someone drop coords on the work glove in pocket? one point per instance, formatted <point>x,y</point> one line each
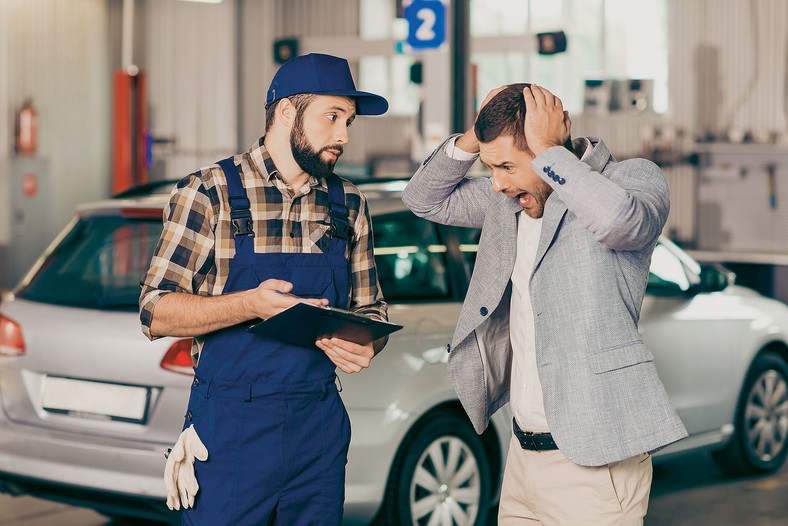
<point>179,477</point>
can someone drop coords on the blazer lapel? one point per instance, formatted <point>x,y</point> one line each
<point>508,235</point>
<point>554,212</point>
<point>494,263</point>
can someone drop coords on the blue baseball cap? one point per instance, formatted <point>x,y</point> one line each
<point>322,75</point>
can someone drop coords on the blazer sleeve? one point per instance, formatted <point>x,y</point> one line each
<point>625,209</point>
<point>440,191</point>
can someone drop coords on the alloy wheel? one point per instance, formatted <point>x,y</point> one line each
<point>446,487</point>
<point>766,415</point>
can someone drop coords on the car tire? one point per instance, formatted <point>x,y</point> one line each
<point>449,460</point>
<point>760,440</point>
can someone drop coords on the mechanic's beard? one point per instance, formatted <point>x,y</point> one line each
<point>540,194</point>
<point>307,158</point>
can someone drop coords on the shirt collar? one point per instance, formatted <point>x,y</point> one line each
<point>264,164</point>
<point>596,154</point>
<point>582,144</point>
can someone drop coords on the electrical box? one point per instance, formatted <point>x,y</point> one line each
<point>633,95</point>
<point>29,215</point>
<point>597,96</point>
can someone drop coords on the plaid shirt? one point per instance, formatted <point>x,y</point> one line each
<point>196,245</point>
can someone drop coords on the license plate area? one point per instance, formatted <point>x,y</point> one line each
<point>92,399</point>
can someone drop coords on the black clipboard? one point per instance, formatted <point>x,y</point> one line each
<point>303,324</point>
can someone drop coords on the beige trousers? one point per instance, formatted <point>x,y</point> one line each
<point>544,487</point>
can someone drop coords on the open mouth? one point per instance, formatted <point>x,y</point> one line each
<point>525,199</point>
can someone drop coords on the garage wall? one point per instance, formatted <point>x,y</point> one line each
<point>727,69</point>
<point>728,61</point>
<point>316,18</point>
<point>258,26</point>
<point>6,131</point>
<point>190,60</point>
<point>727,64</point>
<point>56,52</point>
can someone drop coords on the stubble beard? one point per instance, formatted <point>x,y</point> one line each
<point>540,193</point>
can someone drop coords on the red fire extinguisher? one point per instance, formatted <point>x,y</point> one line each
<point>26,131</point>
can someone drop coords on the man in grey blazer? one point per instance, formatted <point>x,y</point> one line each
<point>550,318</point>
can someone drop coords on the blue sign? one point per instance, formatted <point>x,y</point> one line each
<point>426,24</point>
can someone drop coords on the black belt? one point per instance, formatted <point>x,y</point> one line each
<point>534,441</point>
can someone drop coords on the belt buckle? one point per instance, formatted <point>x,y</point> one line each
<point>532,439</point>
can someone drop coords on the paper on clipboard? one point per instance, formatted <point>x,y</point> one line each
<point>303,323</point>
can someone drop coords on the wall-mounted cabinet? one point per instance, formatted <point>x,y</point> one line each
<point>742,203</point>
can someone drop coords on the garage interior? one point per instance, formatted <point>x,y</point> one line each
<point>131,92</point>
<point>715,115</point>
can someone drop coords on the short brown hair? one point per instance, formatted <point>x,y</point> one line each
<point>299,101</point>
<point>505,115</point>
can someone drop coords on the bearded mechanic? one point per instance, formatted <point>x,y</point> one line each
<point>264,418</point>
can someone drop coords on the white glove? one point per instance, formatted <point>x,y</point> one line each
<point>179,471</point>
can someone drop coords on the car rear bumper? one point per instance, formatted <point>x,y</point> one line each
<point>96,463</point>
<point>98,472</point>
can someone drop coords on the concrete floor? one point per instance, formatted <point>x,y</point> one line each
<point>689,490</point>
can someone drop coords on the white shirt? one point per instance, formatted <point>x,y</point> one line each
<point>526,389</point>
<point>526,399</point>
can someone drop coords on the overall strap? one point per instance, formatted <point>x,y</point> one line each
<point>341,232</point>
<point>240,213</point>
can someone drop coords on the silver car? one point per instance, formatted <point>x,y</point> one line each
<point>89,405</point>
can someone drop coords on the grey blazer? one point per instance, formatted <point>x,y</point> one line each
<point>603,399</point>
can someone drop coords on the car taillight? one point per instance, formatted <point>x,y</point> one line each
<point>179,358</point>
<point>11,341</point>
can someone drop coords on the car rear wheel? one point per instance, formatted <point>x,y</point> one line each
<point>440,476</point>
<point>760,442</point>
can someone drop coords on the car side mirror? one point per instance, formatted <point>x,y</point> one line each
<point>713,278</point>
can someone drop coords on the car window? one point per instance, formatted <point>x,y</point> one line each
<point>667,271</point>
<point>98,264</point>
<point>410,258</point>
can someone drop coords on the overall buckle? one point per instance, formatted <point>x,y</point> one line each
<point>242,226</point>
<point>340,232</point>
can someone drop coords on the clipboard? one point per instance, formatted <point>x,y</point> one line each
<point>303,323</point>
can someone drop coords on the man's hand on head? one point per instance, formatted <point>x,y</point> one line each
<point>272,297</point>
<point>468,142</point>
<point>546,122</point>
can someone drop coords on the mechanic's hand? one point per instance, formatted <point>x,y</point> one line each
<point>268,302</point>
<point>546,122</point>
<point>179,478</point>
<point>468,142</point>
<point>350,357</point>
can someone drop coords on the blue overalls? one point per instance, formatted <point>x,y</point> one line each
<point>269,413</point>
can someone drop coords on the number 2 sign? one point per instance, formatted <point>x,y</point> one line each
<point>426,23</point>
